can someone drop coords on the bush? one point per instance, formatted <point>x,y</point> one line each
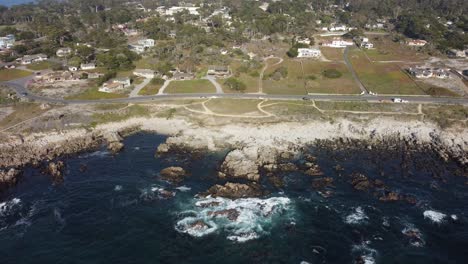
<point>235,84</point>
<point>311,77</point>
<point>157,81</point>
<point>332,73</point>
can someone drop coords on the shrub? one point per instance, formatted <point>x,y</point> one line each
<point>157,81</point>
<point>235,84</point>
<point>332,73</point>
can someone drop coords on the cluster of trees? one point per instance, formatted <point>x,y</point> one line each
<point>235,84</point>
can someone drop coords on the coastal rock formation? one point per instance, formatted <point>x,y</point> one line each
<point>235,190</point>
<point>9,177</point>
<point>231,214</point>
<point>321,183</point>
<point>55,169</point>
<point>173,174</point>
<point>360,182</point>
<point>114,142</point>
<point>241,163</point>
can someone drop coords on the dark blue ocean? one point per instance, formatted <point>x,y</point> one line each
<point>115,209</point>
<point>15,2</point>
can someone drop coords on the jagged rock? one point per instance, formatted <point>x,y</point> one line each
<point>321,183</point>
<point>163,148</point>
<point>199,224</point>
<point>310,158</point>
<point>235,190</point>
<point>390,197</point>
<point>241,163</point>
<point>276,180</point>
<point>338,167</point>
<point>115,147</point>
<point>314,171</point>
<point>360,182</point>
<point>173,174</point>
<point>55,169</point>
<point>210,204</point>
<point>287,167</point>
<point>267,155</point>
<point>231,214</point>
<point>9,177</point>
<point>270,167</point>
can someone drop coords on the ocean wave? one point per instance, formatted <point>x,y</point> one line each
<point>414,235</point>
<point>156,192</point>
<point>8,206</point>
<point>434,216</point>
<point>357,217</point>
<point>95,154</point>
<point>183,188</point>
<point>242,219</point>
<point>366,254</point>
<point>118,188</point>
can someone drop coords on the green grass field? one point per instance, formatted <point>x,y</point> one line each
<point>12,74</point>
<point>387,50</point>
<point>383,78</point>
<point>308,78</point>
<point>39,66</point>
<point>333,54</point>
<point>233,106</point>
<point>250,82</point>
<point>191,86</point>
<point>94,94</point>
<point>150,89</point>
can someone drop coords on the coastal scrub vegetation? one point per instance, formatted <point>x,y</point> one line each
<point>332,73</point>
<point>235,84</point>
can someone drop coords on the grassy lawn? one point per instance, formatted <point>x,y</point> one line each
<point>22,112</point>
<point>367,107</point>
<point>150,89</point>
<point>12,74</point>
<point>233,106</point>
<point>39,66</point>
<point>333,54</point>
<point>145,63</point>
<point>192,86</point>
<point>94,94</point>
<point>312,80</point>
<point>387,50</point>
<point>249,81</point>
<point>297,108</point>
<point>132,111</point>
<point>383,78</point>
<point>446,115</point>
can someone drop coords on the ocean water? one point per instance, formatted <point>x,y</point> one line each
<point>118,210</point>
<point>15,2</point>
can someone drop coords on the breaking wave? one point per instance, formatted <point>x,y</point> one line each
<point>357,217</point>
<point>434,216</point>
<point>242,219</point>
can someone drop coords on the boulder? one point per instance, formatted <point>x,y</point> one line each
<point>314,171</point>
<point>321,183</point>
<point>163,148</point>
<point>235,190</point>
<point>287,167</point>
<point>360,182</point>
<point>199,225</point>
<point>231,214</point>
<point>55,169</point>
<point>115,147</point>
<point>241,163</point>
<point>173,174</point>
<point>9,177</point>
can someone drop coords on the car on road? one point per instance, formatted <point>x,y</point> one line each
<point>203,97</point>
<point>399,100</point>
<point>24,94</point>
<point>306,98</point>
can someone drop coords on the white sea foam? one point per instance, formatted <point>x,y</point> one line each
<point>155,192</point>
<point>96,154</point>
<point>357,217</point>
<point>7,206</point>
<point>366,253</point>
<point>434,216</point>
<point>184,188</point>
<point>118,188</point>
<point>414,235</point>
<point>242,219</point>
<point>454,217</point>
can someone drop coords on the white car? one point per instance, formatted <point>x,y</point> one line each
<point>399,100</point>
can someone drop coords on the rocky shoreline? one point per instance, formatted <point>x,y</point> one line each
<point>255,149</point>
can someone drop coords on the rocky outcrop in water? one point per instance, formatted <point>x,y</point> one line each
<point>55,170</point>
<point>9,177</point>
<point>235,190</point>
<point>241,163</point>
<point>173,174</point>
<point>114,142</point>
<point>231,214</point>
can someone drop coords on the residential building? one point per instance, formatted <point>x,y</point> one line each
<point>95,75</point>
<point>63,52</point>
<point>219,71</point>
<point>454,53</point>
<point>338,28</point>
<point>367,45</point>
<point>181,76</point>
<point>424,73</point>
<point>7,42</point>
<point>88,66</point>
<point>417,43</point>
<point>73,68</point>
<point>305,41</point>
<point>337,43</point>
<point>308,53</point>
<point>147,43</point>
<point>58,76</point>
<point>145,73</point>
<point>115,85</point>
<point>28,59</point>
<point>193,10</point>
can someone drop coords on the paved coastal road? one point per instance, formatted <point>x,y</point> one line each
<point>20,88</point>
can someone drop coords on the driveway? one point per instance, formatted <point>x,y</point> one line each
<point>137,89</point>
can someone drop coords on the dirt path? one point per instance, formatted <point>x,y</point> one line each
<point>262,73</point>
<point>164,86</point>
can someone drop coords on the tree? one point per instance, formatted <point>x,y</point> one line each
<point>235,84</point>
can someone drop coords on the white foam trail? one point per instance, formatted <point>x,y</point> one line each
<point>98,154</point>
<point>367,254</point>
<point>118,188</point>
<point>184,188</point>
<point>434,216</point>
<point>358,217</point>
<point>242,219</point>
<point>6,207</point>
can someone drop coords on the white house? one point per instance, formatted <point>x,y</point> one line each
<point>63,52</point>
<point>305,41</point>
<point>338,28</point>
<point>147,43</point>
<point>193,10</point>
<point>72,68</point>
<point>88,66</point>
<point>308,53</point>
<point>367,45</point>
<point>28,59</point>
<point>145,73</point>
<point>337,43</point>
<point>7,42</point>
<point>137,48</point>
<point>417,42</point>
<point>115,85</point>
